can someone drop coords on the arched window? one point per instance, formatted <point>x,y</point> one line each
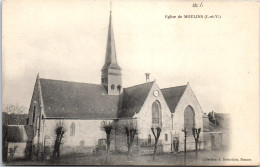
<point>112,86</point>
<point>166,137</point>
<point>156,114</point>
<point>149,140</point>
<point>189,119</point>
<point>72,129</point>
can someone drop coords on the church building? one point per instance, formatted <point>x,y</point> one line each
<point>83,107</point>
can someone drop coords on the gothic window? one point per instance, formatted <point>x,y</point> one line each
<point>156,114</point>
<point>112,86</point>
<point>166,137</point>
<point>72,129</point>
<point>189,119</point>
<point>119,88</point>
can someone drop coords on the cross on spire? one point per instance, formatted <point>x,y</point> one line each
<point>110,6</point>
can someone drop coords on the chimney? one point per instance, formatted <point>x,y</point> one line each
<point>147,77</point>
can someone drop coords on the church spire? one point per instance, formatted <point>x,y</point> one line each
<point>111,59</point>
<point>111,77</point>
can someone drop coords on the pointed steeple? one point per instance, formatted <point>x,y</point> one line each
<point>111,76</point>
<point>111,59</point>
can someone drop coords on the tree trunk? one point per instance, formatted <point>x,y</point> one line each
<point>196,146</point>
<point>156,137</point>
<point>108,146</point>
<point>155,148</point>
<point>56,151</point>
<point>129,147</point>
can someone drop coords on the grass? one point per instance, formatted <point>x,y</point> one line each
<point>123,159</point>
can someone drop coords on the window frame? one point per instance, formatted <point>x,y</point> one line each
<point>156,113</point>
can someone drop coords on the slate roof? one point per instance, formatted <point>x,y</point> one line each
<point>65,99</point>
<point>172,96</point>
<point>134,98</point>
<point>14,119</point>
<point>16,133</point>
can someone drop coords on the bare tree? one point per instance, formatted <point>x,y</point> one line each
<point>131,131</point>
<point>59,132</point>
<point>156,137</point>
<point>107,127</point>
<point>15,109</point>
<point>196,135</point>
<point>185,143</point>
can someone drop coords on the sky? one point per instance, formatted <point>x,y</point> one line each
<point>66,40</point>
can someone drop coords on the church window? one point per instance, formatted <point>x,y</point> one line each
<point>156,114</point>
<point>189,119</point>
<point>112,86</point>
<point>166,137</point>
<point>72,129</point>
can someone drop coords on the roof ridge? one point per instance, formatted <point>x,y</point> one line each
<point>174,87</point>
<point>70,81</point>
<point>139,84</point>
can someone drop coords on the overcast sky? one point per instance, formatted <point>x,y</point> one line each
<point>66,40</point>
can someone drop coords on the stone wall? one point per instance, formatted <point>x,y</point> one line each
<point>144,118</point>
<point>188,99</point>
<point>85,139</point>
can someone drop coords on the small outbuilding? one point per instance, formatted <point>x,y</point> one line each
<point>16,142</point>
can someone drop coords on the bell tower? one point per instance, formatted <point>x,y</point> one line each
<point>111,76</point>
